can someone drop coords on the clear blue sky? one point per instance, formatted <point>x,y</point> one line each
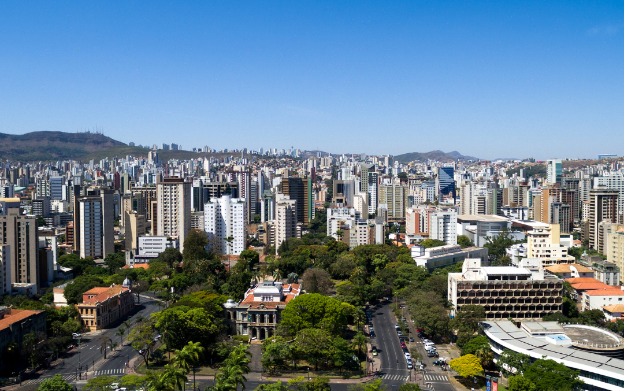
<point>486,78</point>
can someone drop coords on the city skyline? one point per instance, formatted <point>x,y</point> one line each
<point>542,80</point>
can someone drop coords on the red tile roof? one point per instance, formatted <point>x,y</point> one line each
<point>101,294</point>
<point>15,316</point>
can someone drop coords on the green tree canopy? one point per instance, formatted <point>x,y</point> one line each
<point>429,243</point>
<point>550,375</point>
<point>521,383</point>
<point>55,383</point>
<point>180,324</point>
<point>317,281</point>
<point>510,362</point>
<point>74,290</point>
<point>314,310</point>
<point>464,241</point>
<point>195,246</point>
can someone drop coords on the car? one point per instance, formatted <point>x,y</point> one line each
<point>431,354</point>
<point>407,356</point>
<point>403,345</point>
<point>114,386</point>
<point>411,339</point>
<point>397,326</point>
<point>409,364</point>
<point>374,351</point>
<point>76,335</point>
<point>372,334</point>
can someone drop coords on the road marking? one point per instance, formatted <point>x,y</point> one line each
<point>116,371</point>
<point>439,378</point>
<point>396,377</point>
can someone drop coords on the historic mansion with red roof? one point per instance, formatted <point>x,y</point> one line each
<point>259,312</point>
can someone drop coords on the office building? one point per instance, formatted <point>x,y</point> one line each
<point>554,171</point>
<point>506,292</point>
<point>544,243</point>
<point>446,185</point>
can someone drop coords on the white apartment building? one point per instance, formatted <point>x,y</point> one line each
<point>544,244</point>
<point>173,197</point>
<point>443,225</point>
<point>286,220</point>
<point>225,224</point>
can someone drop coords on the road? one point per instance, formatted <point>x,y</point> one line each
<point>394,368</point>
<point>87,359</point>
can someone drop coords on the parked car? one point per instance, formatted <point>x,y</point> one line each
<point>76,335</point>
<point>411,339</point>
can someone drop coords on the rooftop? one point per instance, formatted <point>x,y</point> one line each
<point>566,268</point>
<point>15,316</point>
<point>101,294</point>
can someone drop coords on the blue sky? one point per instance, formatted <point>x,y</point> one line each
<point>489,79</point>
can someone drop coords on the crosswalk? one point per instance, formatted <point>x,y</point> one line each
<point>71,377</point>
<point>67,377</point>
<point>118,371</point>
<point>396,377</point>
<point>437,378</point>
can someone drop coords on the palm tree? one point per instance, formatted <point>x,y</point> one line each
<point>358,342</point>
<point>232,373</point>
<point>188,357</point>
<point>173,378</point>
<point>120,333</point>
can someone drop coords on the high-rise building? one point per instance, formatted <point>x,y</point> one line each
<point>554,171</point>
<point>300,190</point>
<point>19,233</point>
<point>225,222</point>
<point>5,269</point>
<point>443,226</point>
<point>173,208</point>
<point>613,180</point>
<point>614,250</point>
<point>96,225</point>
<point>603,207</point>
<point>446,185</point>
<point>286,221</point>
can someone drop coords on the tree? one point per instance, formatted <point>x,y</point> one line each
<point>550,375</point>
<point>313,345</point>
<point>467,366</point>
<point>276,354</point>
<point>429,243</point>
<point>475,344</point>
<point>55,383</point>
<point>114,262</point>
<point>409,387</point>
<point>179,324</point>
<point>171,256</point>
<point>510,362</point>
<point>464,241</point>
<point>468,318</point>
<point>74,290</point>
<point>375,385</point>
<point>317,281</point>
<point>315,311</point>
<point>521,383</point>
<point>497,248</point>
<point>133,381</point>
<point>188,357</point>
<point>232,373</point>
<point>195,246</point>
<point>141,338</point>
<point>100,383</point>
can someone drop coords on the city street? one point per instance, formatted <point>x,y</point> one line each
<point>87,359</point>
